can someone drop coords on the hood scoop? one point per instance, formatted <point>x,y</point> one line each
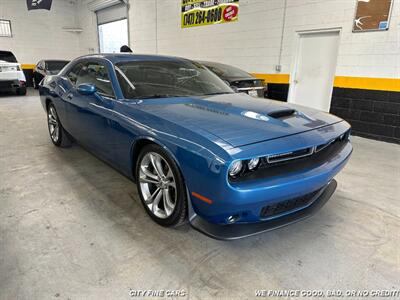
<point>282,113</point>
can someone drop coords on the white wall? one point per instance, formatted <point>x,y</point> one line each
<point>38,34</point>
<point>253,43</point>
<point>88,39</point>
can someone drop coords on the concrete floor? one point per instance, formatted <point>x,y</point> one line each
<point>71,227</point>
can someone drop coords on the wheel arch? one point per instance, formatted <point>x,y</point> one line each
<point>140,142</point>
<point>47,103</point>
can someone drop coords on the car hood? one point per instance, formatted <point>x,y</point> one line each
<point>238,119</point>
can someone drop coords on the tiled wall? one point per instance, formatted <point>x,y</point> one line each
<point>38,34</point>
<point>253,43</point>
<point>372,114</point>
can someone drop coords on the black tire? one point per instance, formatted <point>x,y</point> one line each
<point>62,139</point>
<point>21,91</point>
<point>179,213</point>
<point>35,83</point>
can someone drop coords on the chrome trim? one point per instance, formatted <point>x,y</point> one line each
<point>324,146</point>
<point>250,88</point>
<point>311,150</point>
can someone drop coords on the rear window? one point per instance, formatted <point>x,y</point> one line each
<point>7,56</point>
<point>226,71</point>
<point>55,65</point>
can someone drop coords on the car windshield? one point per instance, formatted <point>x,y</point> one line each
<point>168,78</point>
<point>226,71</point>
<point>55,65</point>
<point>7,56</point>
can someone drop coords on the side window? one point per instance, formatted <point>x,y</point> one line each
<point>96,74</point>
<point>73,73</point>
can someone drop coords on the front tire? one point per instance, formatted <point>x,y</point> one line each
<point>161,187</point>
<point>58,135</point>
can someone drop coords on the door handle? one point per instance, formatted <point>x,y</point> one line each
<point>69,96</point>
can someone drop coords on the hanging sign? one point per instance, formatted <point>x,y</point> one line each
<point>207,12</point>
<point>38,4</point>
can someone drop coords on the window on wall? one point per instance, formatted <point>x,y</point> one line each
<point>112,25</point>
<point>113,35</point>
<point>5,28</point>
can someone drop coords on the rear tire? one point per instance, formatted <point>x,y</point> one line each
<point>161,187</point>
<point>35,85</point>
<point>58,135</point>
<point>21,91</point>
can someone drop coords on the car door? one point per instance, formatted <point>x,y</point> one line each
<point>90,116</point>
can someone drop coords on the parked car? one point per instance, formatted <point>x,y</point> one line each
<point>47,67</point>
<point>12,78</point>
<point>197,150</point>
<point>239,80</point>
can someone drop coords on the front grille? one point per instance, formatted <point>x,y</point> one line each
<point>286,206</point>
<point>274,158</point>
<point>295,161</point>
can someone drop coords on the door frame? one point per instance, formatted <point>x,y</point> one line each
<point>296,55</point>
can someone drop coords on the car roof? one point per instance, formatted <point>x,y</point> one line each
<point>124,57</point>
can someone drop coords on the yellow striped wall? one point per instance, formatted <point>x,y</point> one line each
<point>367,83</point>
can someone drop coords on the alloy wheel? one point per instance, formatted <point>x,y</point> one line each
<point>54,127</point>
<point>157,185</point>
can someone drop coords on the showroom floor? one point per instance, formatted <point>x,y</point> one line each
<point>71,227</point>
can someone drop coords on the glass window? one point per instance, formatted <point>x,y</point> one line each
<point>227,71</point>
<point>113,35</point>
<point>96,74</point>
<point>7,56</point>
<point>73,74</point>
<point>168,78</point>
<point>55,65</point>
<point>5,28</point>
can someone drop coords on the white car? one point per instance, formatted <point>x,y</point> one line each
<point>12,78</point>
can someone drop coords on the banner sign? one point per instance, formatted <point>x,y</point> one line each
<point>207,12</point>
<point>38,4</point>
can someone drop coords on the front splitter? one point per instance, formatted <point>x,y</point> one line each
<point>237,231</point>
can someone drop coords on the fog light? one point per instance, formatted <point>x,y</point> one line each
<point>253,163</point>
<point>235,168</point>
<point>232,219</point>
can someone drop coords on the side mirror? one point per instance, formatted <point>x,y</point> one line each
<point>87,89</point>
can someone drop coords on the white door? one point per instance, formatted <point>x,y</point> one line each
<point>314,69</point>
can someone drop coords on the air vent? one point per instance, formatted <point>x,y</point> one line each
<point>287,206</point>
<point>283,113</point>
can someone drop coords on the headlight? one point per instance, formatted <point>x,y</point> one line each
<point>253,163</point>
<point>235,168</point>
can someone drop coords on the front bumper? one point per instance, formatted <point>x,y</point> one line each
<point>241,230</point>
<point>11,85</point>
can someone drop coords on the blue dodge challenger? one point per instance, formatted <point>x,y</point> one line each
<point>230,164</point>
